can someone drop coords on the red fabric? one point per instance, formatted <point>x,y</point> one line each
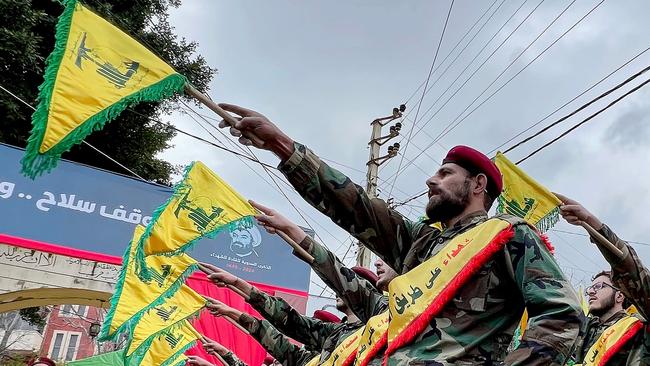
<point>366,274</point>
<point>220,330</point>
<point>420,323</point>
<point>617,346</point>
<point>475,161</point>
<point>326,316</point>
<point>381,343</point>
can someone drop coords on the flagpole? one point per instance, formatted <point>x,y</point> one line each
<point>601,240</point>
<point>206,101</point>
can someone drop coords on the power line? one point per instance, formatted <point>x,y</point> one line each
<point>517,74</point>
<point>565,104</point>
<point>584,106</point>
<point>415,120</point>
<point>472,75</point>
<point>586,235</point>
<point>452,51</point>
<point>453,126</point>
<point>585,120</point>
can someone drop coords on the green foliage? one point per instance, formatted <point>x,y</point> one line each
<point>34,316</point>
<point>27,31</point>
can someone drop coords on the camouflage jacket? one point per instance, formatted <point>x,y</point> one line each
<point>364,299</point>
<point>315,334</point>
<point>279,346</point>
<point>633,279</point>
<point>478,324</point>
<point>233,360</point>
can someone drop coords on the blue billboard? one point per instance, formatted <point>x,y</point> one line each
<point>91,209</point>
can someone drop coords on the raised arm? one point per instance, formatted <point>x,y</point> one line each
<point>360,295</point>
<point>214,348</point>
<point>553,306</point>
<point>628,273</point>
<point>383,230</point>
<point>265,334</point>
<point>309,331</point>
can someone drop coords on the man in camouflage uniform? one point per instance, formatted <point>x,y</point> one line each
<point>214,348</point>
<point>628,280</point>
<point>477,325</point>
<point>316,334</point>
<point>363,295</point>
<point>274,342</point>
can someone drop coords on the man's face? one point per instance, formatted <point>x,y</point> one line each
<point>385,274</point>
<point>449,192</point>
<point>241,242</point>
<point>600,295</point>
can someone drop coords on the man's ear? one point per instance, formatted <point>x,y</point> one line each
<point>619,297</point>
<point>481,183</point>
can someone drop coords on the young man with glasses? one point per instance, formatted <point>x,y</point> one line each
<point>611,335</point>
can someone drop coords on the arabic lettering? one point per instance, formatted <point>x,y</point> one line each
<point>434,274</point>
<point>415,294</point>
<point>402,303</point>
<point>50,200</point>
<point>6,189</point>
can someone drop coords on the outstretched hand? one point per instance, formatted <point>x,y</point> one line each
<point>217,275</point>
<point>212,347</point>
<point>574,213</point>
<point>197,361</point>
<point>254,129</point>
<point>273,222</point>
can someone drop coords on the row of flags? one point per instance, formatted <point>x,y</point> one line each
<point>94,73</point>
<point>152,305</point>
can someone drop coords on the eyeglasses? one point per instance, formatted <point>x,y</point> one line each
<point>599,286</point>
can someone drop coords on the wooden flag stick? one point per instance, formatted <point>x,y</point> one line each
<point>601,240</point>
<point>231,320</point>
<point>302,253</point>
<point>231,287</point>
<point>190,90</point>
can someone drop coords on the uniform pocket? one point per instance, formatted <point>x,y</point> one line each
<point>473,296</point>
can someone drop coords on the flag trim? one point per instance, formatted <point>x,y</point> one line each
<point>138,353</point>
<point>106,334</point>
<point>35,163</point>
<point>179,189</point>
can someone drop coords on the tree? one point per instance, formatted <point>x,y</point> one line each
<point>27,31</point>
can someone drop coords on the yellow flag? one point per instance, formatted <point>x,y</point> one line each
<point>522,196</point>
<point>166,347</point>
<point>202,205</point>
<point>183,305</point>
<point>93,74</point>
<point>583,301</point>
<point>133,296</point>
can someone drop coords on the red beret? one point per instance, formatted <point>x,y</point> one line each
<point>44,360</point>
<point>366,274</point>
<point>326,316</point>
<point>268,360</point>
<point>476,162</point>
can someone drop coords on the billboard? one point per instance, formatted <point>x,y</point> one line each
<point>91,209</point>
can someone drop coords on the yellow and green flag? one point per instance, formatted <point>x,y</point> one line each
<point>94,73</point>
<point>133,296</point>
<point>183,305</point>
<point>167,347</point>
<point>524,197</point>
<point>202,205</point>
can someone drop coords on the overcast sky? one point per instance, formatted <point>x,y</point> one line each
<point>323,70</point>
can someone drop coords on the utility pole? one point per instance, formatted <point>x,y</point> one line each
<point>375,160</point>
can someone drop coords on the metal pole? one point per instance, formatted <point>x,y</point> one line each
<point>363,254</point>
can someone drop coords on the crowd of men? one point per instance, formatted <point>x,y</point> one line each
<point>427,304</point>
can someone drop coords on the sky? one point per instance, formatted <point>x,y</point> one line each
<point>322,71</point>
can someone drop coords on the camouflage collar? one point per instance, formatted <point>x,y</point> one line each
<point>470,220</point>
<point>615,317</point>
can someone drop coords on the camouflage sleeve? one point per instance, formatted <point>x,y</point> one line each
<point>233,360</point>
<point>553,306</point>
<point>382,230</point>
<point>308,331</point>
<point>360,295</point>
<point>629,274</point>
<point>275,343</point>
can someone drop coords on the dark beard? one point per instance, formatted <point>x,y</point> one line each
<point>607,305</point>
<point>447,205</point>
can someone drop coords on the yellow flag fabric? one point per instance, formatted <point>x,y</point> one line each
<point>183,305</point>
<point>344,353</point>
<point>133,296</point>
<point>202,205</point>
<point>611,340</point>
<point>420,294</point>
<point>583,301</point>
<point>93,74</point>
<point>314,361</point>
<point>167,347</point>
<point>373,339</point>
<point>524,197</point>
